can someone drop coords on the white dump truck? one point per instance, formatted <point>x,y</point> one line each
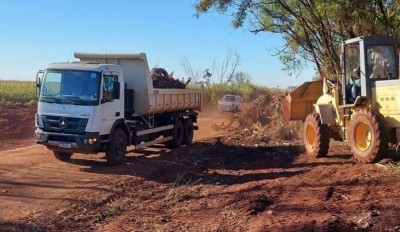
<point>106,102</point>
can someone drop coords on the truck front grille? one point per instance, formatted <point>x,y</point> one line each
<point>64,124</point>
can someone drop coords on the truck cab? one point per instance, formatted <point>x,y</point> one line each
<point>78,103</point>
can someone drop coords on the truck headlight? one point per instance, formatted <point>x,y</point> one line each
<point>38,121</point>
<point>90,141</point>
<point>40,136</point>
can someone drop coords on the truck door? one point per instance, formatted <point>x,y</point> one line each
<point>110,105</point>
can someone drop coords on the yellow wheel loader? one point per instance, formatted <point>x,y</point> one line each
<point>361,107</point>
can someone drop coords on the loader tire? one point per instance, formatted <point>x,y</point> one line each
<point>63,156</point>
<point>115,153</point>
<point>316,136</point>
<point>367,137</point>
<point>187,131</point>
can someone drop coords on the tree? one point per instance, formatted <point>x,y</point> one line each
<point>312,29</point>
<point>226,69</point>
<point>219,73</point>
<point>189,71</point>
<point>240,78</point>
<point>207,77</point>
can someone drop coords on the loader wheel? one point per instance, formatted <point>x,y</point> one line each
<point>177,135</point>
<point>115,153</point>
<point>63,156</point>
<point>316,136</point>
<point>187,131</point>
<point>367,136</point>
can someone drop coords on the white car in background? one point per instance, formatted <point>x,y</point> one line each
<point>230,102</point>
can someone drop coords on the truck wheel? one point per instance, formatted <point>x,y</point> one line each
<point>177,135</point>
<point>187,131</point>
<point>63,156</point>
<point>115,153</point>
<point>316,136</point>
<point>367,136</point>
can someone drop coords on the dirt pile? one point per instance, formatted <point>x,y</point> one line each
<point>262,122</point>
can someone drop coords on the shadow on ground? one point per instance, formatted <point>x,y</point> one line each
<point>209,162</point>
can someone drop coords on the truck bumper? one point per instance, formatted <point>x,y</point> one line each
<point>82,143</point>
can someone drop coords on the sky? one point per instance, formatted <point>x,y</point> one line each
<point>34,34</point>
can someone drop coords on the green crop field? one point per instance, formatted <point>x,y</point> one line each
<point>17,92</point>
<point>24,92</point>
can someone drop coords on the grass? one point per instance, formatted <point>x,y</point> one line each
<point>179,191</point>
<point>17,92</point>
<point>389,166</point>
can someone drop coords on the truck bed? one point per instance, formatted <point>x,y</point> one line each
<point>170,100</point>
<point>147,99</point>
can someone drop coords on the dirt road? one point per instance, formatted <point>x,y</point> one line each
<point>217,184</point>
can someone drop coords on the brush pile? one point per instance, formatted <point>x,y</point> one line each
<point>262,122</point>
<point>163,80</point>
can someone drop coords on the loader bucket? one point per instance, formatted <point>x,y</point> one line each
<point>299,103</point>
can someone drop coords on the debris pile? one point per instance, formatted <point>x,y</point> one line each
<point>262,122</point>
<point>163,80</point>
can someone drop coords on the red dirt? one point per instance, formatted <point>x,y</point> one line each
<point>222,182</point>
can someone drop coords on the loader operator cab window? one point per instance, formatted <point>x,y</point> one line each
<point>353,82</point>
<point>381,62</point>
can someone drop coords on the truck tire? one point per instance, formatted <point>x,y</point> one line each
<point>187,131</point>
<point>115,153</point>
<point>367,138</point>
<point>316,136</point>
<point>61,155</point>
<point>177,134</point>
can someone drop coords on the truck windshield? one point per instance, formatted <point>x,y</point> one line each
<point>70,87</point>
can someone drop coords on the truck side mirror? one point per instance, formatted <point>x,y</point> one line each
<point>116,90</point>
<point>39,76</point>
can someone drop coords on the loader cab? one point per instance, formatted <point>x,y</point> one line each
<point>366,60</point>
